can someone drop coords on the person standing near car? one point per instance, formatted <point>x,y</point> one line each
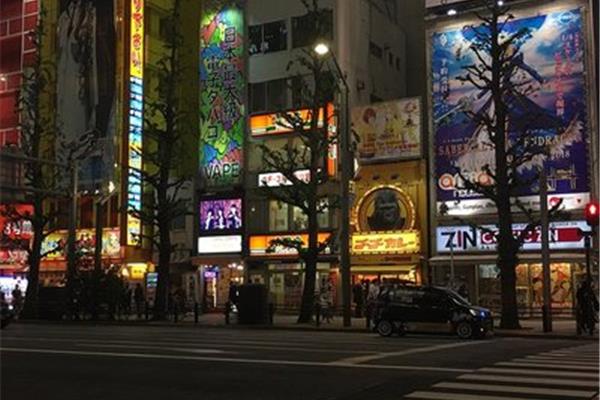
<point>372,296</point>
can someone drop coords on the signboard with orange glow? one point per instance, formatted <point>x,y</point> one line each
<point>276,124</point>
<point>85,243</point>
<point>260,245</point>
<point>402,242</point>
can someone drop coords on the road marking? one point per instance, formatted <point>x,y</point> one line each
<point>378,356</point>
<point>515,389</point>
<point>459,396</point>
<point>536,380</point>
<point>549,366</point>
<point>535,372</point>
<point>559,361</point>
<point>232,360</point>
<point>183,349</point>
<point>574,354</point>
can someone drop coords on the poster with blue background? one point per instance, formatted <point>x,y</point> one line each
<point>552,60</point>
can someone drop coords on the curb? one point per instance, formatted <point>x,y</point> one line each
<point>301,328</point>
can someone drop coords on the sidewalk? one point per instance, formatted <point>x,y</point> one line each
<point>562,328</point>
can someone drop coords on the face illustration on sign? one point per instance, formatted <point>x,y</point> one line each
<point>385,208</point>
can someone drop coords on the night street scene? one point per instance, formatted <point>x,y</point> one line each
<point>299,199</point>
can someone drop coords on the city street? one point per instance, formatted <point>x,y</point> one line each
<point>125,362</point>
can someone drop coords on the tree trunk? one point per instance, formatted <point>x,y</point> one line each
<point>30,307</point>
<point>164,261</point>
<point>310,269</point>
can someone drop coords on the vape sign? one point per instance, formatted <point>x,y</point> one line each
<point>467,239</point>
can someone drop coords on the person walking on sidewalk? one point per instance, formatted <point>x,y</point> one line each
<point>138,298</point>
<point>587,308</point>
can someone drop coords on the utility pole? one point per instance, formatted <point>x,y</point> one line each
<point>547,307</point>
<point>71,265</point>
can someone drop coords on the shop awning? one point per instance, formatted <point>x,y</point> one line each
<point>492,258</point>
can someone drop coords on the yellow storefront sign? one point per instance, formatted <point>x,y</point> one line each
<point>401,242</point>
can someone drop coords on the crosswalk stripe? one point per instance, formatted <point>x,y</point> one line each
<point>514,389</point>
<point>547,365</point>
<point>536,380</point>
<point>574,354</point>
<point>558,361</point>
<point>458,396</point>
<point>523,371</point>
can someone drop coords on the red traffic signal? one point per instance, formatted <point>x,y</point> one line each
<point>592,213</point>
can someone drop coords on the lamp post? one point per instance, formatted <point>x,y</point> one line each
<point>322,49</point>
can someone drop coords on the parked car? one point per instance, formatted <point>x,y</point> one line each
<point>403,308</point>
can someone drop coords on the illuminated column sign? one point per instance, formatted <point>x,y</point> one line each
<point>222,97</point>
<point>136,119</point>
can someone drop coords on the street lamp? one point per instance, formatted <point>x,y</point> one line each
<point>322,49</point>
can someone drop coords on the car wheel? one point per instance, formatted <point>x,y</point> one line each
<point>464,330</point>
<point>385,328</point>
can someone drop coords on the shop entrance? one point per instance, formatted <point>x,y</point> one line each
<point>384,273</point>
<point>216,280</point>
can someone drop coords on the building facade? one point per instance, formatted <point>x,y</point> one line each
<point>558,58</point>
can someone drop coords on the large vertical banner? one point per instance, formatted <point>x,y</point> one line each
<point>222,96</point>
<point>86,84</point>
<point>136,119</point>
<point>551,60</point>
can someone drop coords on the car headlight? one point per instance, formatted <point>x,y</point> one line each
<point>473,312</point>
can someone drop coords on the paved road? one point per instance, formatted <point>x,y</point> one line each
<point>124,362</point>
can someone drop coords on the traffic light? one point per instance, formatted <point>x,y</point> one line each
<point>592,213</point>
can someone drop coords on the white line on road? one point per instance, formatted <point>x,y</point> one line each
<point>515,389</point>
<point>526,371</point>
<point>137,346</point>
<point>559,361</point>
<point>231,360</point>
<point>533,380</point>
<point>547,365</point>
<point>459,396</point>
<point>378,356</point>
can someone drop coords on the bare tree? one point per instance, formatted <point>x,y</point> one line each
<point>503,126</point>
<point>164,182</point>
<point>314,85</point>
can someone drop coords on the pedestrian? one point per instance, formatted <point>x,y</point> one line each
<point>325,303</point>
<point>138,297</point>
<point>126,301</point>
<point>359,299</point>
<point>17,300</point>
<point>317,309</point>
<point>233,293</point>
<point>587,307</point>
<point>271,300</point>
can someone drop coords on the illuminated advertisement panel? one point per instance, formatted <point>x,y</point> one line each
<point>85,241</point>
<point>15,235</point>
<point>261,245</point>
<point>136,119</point>
<point>276,124</point>
<point>222,98</point>
<point>551,58</point>
<point>220,215</point>
<point>219,244</point>
<point>401,242</point>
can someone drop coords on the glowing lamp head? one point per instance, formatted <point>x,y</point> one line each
<point>451,12</point>
<point>321,48</point>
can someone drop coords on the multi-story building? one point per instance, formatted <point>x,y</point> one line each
<point>559,59</point>
<point>370,47</point>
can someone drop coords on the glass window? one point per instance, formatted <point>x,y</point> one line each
<point>323,217</point>
<point>276,94</point>
<point>258,97</point>
<point>278,216</point>
<point>300,220</point>
<point>274,37</point>
<point>306,29</point>
<point>375,50</point>
<point>254,39</point>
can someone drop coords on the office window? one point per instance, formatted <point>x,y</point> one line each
<point>375,50</point>
<point>268,96</point>
<point>306,29</point>
<point>278,216</point>
<point>267,38</point>
<point>299,220</point>
<point>258,97</point>
<point>323,217</point>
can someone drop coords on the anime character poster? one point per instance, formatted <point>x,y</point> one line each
<point>551,61</point>
<point>220,215</point>
<point>86,86</point>
<point>222,96</point>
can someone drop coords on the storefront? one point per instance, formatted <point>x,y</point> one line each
<point>466,259</point>
<point>386,246</point>
<point>282,271</point>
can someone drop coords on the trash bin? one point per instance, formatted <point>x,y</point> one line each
<point>253,307</point>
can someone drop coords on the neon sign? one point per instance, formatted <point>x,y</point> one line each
<point>136,119</point>
<point>222,98</point>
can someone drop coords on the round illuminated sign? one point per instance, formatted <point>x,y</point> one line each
<point>385,208</point>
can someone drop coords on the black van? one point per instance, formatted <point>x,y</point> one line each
<point>402,308</point>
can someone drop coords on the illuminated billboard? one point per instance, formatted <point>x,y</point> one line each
<point>388,131</point>
<point>136,120</point>
<point>220,215</point>
<point>223,93</point>
<point>552,59</point>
